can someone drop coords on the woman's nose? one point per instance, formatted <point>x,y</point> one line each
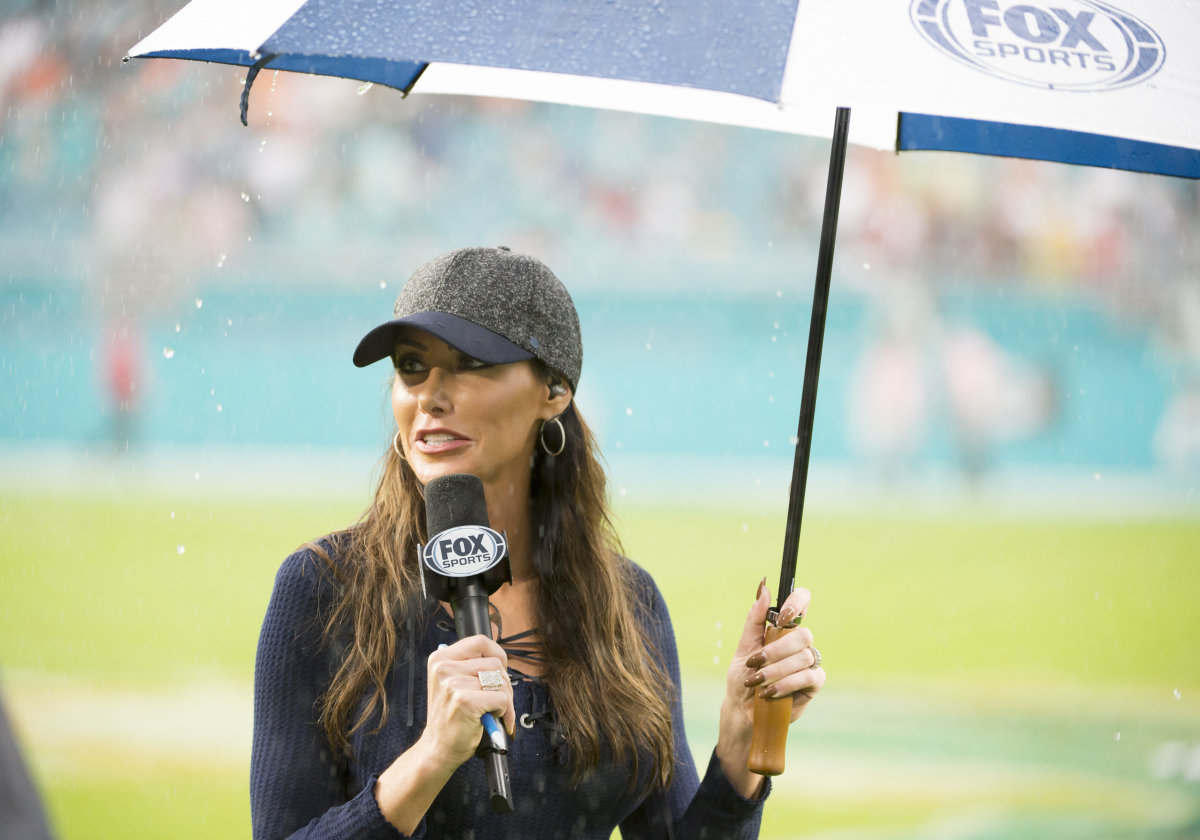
<point>434,396</point>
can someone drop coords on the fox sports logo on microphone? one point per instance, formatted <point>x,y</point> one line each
<point>465,551</point>
<point>1078,45</point>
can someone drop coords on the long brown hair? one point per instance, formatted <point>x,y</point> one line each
<point>602,671</point>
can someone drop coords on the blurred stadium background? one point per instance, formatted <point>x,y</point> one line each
<point>1003,527</point>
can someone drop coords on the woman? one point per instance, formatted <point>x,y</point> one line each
<point>367,707</point>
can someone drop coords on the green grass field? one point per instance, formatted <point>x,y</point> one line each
<point>989,676</point>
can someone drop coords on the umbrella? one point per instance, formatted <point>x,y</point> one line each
<point>1077,81</point>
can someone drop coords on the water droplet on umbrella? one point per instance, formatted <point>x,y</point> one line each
<point>168,353</point>
<point>364,87</point>
<point>179,549</point>
<point>199,302</point>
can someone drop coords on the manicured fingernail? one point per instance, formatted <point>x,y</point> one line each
<point>757,660</point>
<point>758,594</point>
<point>767,692</point>
<point>786,615</point>
<point>757,679</point>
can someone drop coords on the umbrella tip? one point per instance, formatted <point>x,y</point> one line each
<point>251,75</point>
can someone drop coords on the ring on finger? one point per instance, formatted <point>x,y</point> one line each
<point>816,658</point>
<point>491,680</point>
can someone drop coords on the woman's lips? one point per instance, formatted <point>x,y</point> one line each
<point>439,440</point>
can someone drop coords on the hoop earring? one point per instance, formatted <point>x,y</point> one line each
<point>562,437</point>
<point>396,445</point>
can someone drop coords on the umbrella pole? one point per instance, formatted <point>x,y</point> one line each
<point>812,363</point>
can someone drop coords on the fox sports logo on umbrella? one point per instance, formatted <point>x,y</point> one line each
<point>1081,45</point>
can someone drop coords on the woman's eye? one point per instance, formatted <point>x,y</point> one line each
<point>409,364</point>
<point>471,363</point>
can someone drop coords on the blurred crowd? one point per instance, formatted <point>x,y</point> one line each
<point>135,182</point>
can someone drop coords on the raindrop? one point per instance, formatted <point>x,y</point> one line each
<point>745,526</point>
<point>766,443</point>
<point>774,339</point>
<point>775,325</point>
<point>1177,695</point>
<point>779,293</point>
<point>866,266</point>
<point>262,146</point>
<point>196,476</point>
<point>246,197</point>
<point>1096,476</point>
<point>177,328</point>
<point>221,261</point>
<point>1096,596</point>
<point>793,440</point>
<point>229,322</point>
<point>719,625</point>
<point>218,408</point>
<point>770,398</point>
<point>364,87</point>
<point>168,353</point>
<point>383,284</point>
<point>629,412</point>
<point>172,514</point>
<point>179,549</point>
<point>622,491</point>
<point>648,347</point>
<point>1117,735</point>
<point>199,302</point>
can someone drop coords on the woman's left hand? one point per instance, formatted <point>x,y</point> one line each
<point>786,667</point>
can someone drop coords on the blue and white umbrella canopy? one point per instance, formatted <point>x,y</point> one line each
<point>1078,81</point>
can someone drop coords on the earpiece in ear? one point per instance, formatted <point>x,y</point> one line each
<point>557,389</point>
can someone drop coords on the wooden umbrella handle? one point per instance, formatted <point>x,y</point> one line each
<point>772,716</point>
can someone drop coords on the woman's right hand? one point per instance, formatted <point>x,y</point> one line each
<point>456,702</point>
<point>456,699</point>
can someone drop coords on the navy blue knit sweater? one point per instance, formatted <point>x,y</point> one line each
<point>298,788</point>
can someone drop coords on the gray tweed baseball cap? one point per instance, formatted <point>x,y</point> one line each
<point>490,303</point>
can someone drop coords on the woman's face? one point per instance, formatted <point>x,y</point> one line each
<point>457,414</point>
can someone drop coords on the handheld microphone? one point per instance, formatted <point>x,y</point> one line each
<point>464,562</point>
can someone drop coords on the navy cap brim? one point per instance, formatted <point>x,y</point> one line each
<point>470,338</point>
